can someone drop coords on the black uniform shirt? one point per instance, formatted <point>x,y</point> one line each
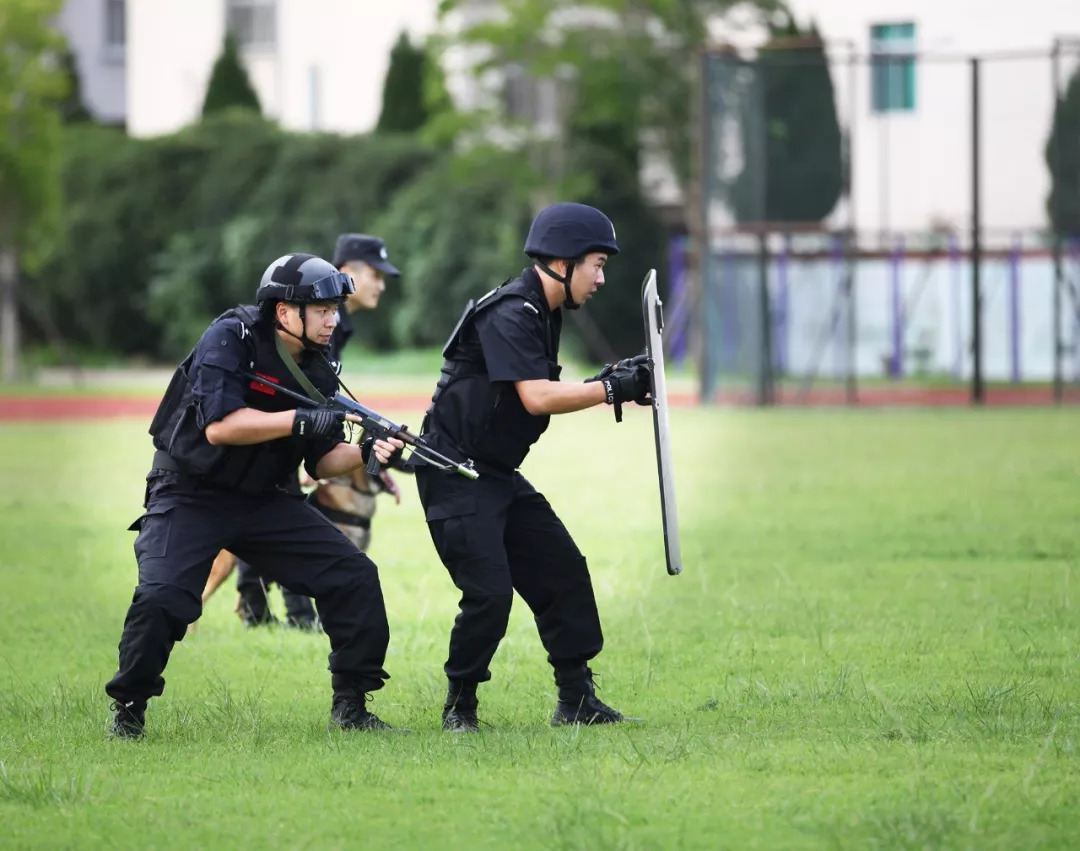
<point>481,414</point>
<point>516,338</point>
<point>219,369</point>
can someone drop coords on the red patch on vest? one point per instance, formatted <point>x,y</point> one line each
<point>262,388</point>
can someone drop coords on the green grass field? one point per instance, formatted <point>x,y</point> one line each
<point>874,645</point>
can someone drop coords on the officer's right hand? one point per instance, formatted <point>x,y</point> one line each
<point>310,423</point>
<point>627,384</point>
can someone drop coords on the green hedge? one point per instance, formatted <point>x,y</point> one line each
<point>163,234</point>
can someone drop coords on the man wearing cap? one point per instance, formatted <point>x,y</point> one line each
<point>498,389</point>
<point>349,501</point>
<point>365,259</point>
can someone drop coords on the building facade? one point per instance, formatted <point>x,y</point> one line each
<point>907,99</point>
<point>96,33</point>
<point>316,65</point>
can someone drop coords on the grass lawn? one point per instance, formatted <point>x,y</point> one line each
<point>873,645</point>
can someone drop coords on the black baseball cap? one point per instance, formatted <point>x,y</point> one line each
<point>360,246</point>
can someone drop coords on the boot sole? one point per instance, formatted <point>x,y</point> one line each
<point>592,722</point>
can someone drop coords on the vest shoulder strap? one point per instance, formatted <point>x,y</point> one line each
<point>511,288</point>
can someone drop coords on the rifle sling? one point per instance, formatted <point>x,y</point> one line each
<point>294,368</point>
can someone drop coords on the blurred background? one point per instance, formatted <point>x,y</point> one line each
<point>849,201</point>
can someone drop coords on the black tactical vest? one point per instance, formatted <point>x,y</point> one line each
<point>255,467</point>
<point>486,420</point>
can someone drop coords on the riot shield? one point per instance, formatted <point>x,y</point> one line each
<point>652,309</point>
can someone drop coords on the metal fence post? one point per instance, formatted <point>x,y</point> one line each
<point>978,389</point>
<point>1055,231</point>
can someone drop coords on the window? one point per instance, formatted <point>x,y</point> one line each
<point>115,32</point>
<point>253,22</point>
<point>892,67</point>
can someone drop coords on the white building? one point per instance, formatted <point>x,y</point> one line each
<point>911,119</point>
<point>315,64</point>
<point>95,31</point>
<point>911,125</point>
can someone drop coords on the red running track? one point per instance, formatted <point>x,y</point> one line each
<point>53,408</point>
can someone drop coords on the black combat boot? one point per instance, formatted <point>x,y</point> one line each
<point>349,712</point>
<point>129,720</point>
<point>459,711</point>
<point>578,703</point>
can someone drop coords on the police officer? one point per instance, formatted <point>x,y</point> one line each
<point>226,443</point>
<point>498,389</point>
<point>349,501</point>
<point>366,260</point>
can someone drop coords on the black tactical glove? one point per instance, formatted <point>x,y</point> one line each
<point>625,363</point>
<point>309,423</point>
<point>627,384</point>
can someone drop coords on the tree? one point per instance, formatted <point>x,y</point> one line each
<point>1063,160</point>
<point>404,109</point>
<point>73,109</point>
<point>632,68</point>
<point>792,145</point>
<point>229,86</point>
<point>32,86</point>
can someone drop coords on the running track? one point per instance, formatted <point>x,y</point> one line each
<point>53,408</point>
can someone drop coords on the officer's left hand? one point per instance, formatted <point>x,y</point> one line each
<point>632,384</point>
<point>385,450</point>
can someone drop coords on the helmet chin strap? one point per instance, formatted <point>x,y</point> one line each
<point>569,304</point>
<point>304,341</point>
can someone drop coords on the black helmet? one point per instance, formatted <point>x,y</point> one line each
<point>303,278</point>
<point>568,231</point>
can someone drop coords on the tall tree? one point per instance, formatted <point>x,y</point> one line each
<point>654,44</point>
<point>631,66</point>
<point>73,109</point>
<point>32,86</point>
<point>404,109</point>
<point>229,86</point>
<point>1063,160</point>
<point>792,146</point>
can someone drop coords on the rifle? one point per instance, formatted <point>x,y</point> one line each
<point>379,427</point>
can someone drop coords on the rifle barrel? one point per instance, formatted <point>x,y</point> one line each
<point>399,431</point>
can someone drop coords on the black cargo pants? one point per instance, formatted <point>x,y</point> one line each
<point>253,588</point>
<point>497,535</point>
<point>183,529</point>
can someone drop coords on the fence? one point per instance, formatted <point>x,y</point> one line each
<point>879,226</point>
